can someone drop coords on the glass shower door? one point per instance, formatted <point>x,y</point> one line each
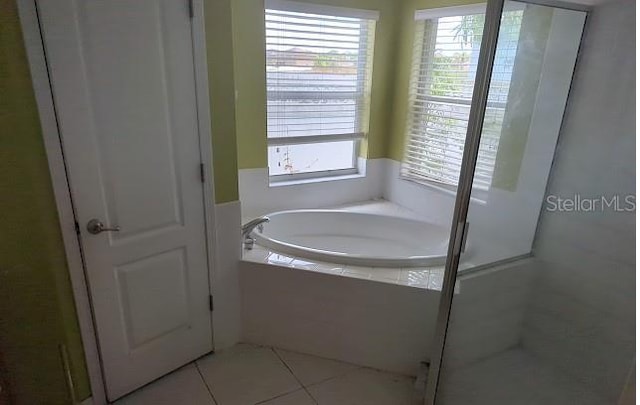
<point>507,334</point>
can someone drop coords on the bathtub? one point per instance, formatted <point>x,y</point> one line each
<point>355,238</point>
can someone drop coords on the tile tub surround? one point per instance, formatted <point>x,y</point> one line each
<point>247,375</point>
<point>259,198</point>
<point>382,325</point>
<point>501,228</point>
<point>420,277</point>
<point>384,320</point>
<point>429,278</point>
<point>354,238</point>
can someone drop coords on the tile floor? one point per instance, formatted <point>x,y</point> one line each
<point>247,375</point>
<point>513,377</point>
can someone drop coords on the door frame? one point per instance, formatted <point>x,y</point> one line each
<point>34,45</point>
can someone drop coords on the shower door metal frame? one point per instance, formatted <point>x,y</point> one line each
<point>486,58</point>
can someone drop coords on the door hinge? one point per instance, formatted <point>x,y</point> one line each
<point>210,302</point>
<point>202,172</point>
<point>191,10</point>
<point>76,226</point>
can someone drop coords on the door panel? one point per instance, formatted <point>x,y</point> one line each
<point>163,277</point>
<point>140,93</point>
<point>123,82</point>
<point>487,355</point>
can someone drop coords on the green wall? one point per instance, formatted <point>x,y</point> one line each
<point>249,58</point>
<point>249,74</point>
<point>36,305</point>
<point>389,93</point>
<point>390,83</point>
<point>522,95</point>
<point>222,97</point>
<point>396,141</point>
<point>37,311</point>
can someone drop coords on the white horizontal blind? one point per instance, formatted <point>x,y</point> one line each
<point>318,76</point>
<point>443,71</point>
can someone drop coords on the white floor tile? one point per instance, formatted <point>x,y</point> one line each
<point>299,397</point>
<point>246,375</point>
<point>311,369</point>
<point>183,386</point>
<point>365,387</point>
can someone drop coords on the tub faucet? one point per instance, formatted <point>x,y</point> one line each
<point>247,228</point>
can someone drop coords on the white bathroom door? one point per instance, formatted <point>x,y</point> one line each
<point>122,74</point>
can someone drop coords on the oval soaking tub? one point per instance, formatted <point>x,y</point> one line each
<point>355,238</point>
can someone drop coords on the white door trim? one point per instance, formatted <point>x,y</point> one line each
<point>42,88</point>
<point>206,140</point>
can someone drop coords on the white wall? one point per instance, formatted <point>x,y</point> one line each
<point>487,313</point>
<point>380,325</point>
<point>365,322</point>
<point>225,285</point>
<point>258,198</point>
<point>582,314</point>
<point>503,223</point>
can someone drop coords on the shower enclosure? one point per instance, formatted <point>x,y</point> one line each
<point>554,326</point>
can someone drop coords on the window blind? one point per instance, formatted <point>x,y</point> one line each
<point>318,70</point>
<point>443,72</point>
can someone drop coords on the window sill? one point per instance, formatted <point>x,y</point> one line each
<point>284,183</point>
<point>477,196</point>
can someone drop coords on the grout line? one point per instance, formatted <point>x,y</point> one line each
<point>294,376</point>
<point>356,367</point>
<point>336,376</point>
<point>280,396</point>
<point>195,363</point>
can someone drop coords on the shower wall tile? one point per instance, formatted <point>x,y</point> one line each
<point>599,240</point>
<point>488,312</point>
<point>581,317</point>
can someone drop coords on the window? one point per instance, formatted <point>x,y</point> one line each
<point>318,67</point>
<point>446,49</point>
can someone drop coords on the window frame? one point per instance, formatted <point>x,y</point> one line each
<point>317,174</point>
<point>420,16</point>
<point>361,82</point>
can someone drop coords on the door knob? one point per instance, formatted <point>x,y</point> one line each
<point>95,226</point>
